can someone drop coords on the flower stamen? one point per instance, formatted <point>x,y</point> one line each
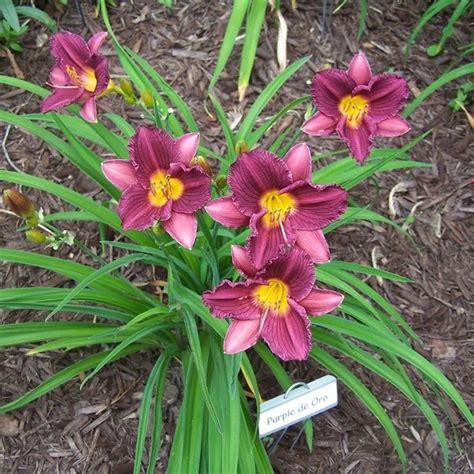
<point>164,188</point>
<point>354,108</point>
<point>278,207</point>
<point>87,80</point>
<point>272,297</point>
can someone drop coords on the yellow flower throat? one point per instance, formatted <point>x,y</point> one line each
<point>278,207</point>
<point>87,80</point>
<point>164,188</point>
<point>273,296</point>
<point>354,108</point>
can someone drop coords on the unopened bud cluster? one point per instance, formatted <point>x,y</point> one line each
<point>23,207</point>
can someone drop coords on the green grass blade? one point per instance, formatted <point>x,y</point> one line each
<point>105,270</point>
<point>363,393</point>
<point>121,124</point>
<point>38,15</point>
<point>429,13</point>
<point>29,333</point>
<point>229,136</point>
<point>152,388</point>
<point>366,270</point>
<point>10,14</point>
<point>239,8</point>
<point>73,270</point>
<point>354,214</point>
<point>78,200</point>
<point>50,297</point>
<point>372,363</point>
<point>362,18</point>
<point>447,77</point>
<point>265,97</point>
<point>186,450</point>
<point>175,99</point>
<point>64,376</point>
<point>25,85</point>
<point>197,353</point>
<point>253,27</point>
<point>374,168</point>
<point>86,160</point>
<point>133,338</point>
<point>369,292</point>
<point>157,416</point>
<point>462,6</point>
<point>400,350</point>
<point>260,131</point>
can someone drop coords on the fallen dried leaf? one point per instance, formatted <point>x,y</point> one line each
<point>8,425</point>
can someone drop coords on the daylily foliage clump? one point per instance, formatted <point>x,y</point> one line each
<point>241,234</point>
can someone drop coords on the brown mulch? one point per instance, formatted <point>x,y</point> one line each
<point>94,430</point>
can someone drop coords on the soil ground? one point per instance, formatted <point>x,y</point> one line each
<point>93,430</point>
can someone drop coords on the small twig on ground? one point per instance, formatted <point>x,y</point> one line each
<point>18,72</point>
<point>5,151</point>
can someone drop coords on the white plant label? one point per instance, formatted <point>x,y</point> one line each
<point>297,405</point>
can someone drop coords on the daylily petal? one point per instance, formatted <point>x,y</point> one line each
<point>321,301</point>
<point>387,95</point>
<point>151,149</point>
<point>316,205</point>
<point>241,335</point>
<point>242,261</point>
<point>187,146</point>
<point>288,336</point>
<point>393,127</point>
<point>196,191</point>
<point>96,41</point>
<point>58,77</point>
<point>359,140</point>
<point>61,98</point>
<point>182,228</point>
<point>359,69</point>
<point>329,87</point>
<point>253,174</point>
<point>70,49</point>
<point>224,211</point>
<point>266,243</point>
<point>88,110</point>
<point>136,211</point>
<point>234,300</point>
<point>120,173</point>
<point>314,244</point>
<point>298,160</point>
<point>319,125</point>
<point>100,65</point>
<point>295,269</point>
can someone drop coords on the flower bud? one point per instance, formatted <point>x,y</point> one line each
<point>18,203</point>
<point>111,87</point>
<point>202,163</point>
<point>241,147</point>
<point>221,182</point>
<point>36,236</point>
<point>147,98</point>
<point>126,86</point>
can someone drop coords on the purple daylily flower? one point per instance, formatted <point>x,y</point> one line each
<point>282,206</point>
<point>358,106</point>
<point>79,75</point>
<point>159,183</point>
<point>272,304</point>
